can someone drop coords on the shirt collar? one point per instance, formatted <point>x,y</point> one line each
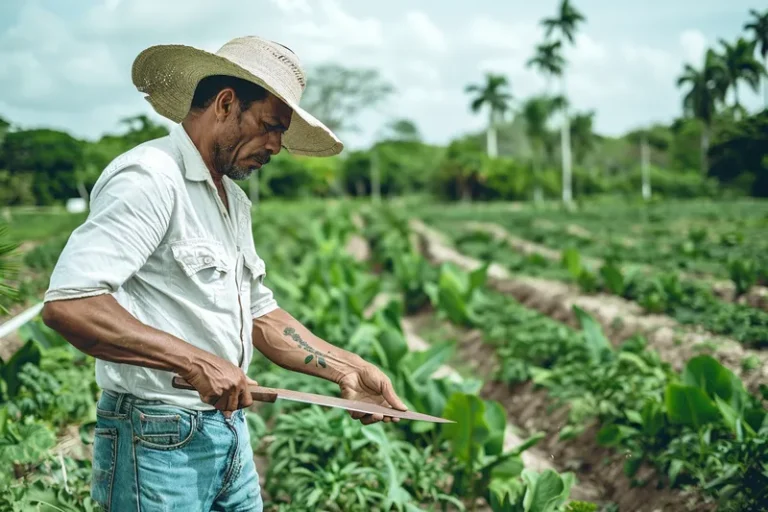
<point>194,167</point>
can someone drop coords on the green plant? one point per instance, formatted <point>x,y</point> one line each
<point>455,292</point>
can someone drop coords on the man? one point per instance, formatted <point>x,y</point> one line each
<point>163,279</point>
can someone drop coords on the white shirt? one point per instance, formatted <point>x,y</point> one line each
<point>159,238</point>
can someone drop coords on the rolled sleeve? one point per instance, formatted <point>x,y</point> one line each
<point>262,298</point>
<point>130,213</point>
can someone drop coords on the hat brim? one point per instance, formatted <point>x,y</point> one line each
<point>169,74</point>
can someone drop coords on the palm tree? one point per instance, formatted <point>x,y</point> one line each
<point>494,93</point>
<point>740,64</point>
<point>565,22</point>
<point>564,25</point>
<point>549,60</point>
<point>705,91</point>
<point>759,26</point>
<point>582,135</point>
<point>536,112</point>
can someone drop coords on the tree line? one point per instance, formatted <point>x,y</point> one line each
<point>539,149</point>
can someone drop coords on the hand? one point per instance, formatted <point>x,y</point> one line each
<point>220,383</point>
<point>369,384</point>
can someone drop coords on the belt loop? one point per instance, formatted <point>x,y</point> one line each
<point>119,402</point>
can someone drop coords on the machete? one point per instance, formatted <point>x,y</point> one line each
<point>263,394</point>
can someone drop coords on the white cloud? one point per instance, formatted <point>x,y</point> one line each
<point>587,50</point>
<point>340,28</point>
<point>515,36</point>
<point>426,31</point>
<point>694,45</point>
<point>421,70</point>
<point>292,6</point>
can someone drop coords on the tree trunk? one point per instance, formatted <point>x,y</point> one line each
<point>565,148</point>
<point>537,194</point>
<point>736,104</point>
<point>360,188</point>
<point>646,168</point>
<point>375,177</point>
<point>493,150</point>
<point>82,191</point>
<point>705,150</point>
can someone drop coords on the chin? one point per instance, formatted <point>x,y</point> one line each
<point>240,173</point>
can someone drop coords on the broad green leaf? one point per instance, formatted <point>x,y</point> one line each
<point>508,468</point>
<point>652,418</point>
<point>597,344</point>
<point>572,261</point>
<point>756,418</point>
<point>505,494</point>
<point>716,380</point>
<point>530,442</point>
<point>614,280</point>
<point>609,435</point>
<point>496,418</point>
<point>470,430</point>
<point>28,353</point>
<point>674,470</point>
<point>689,405</point>
<point>3,419</point>
<point>452,296</point>
<point>633,359</point>
<point>544,492</point>
<point>632,464</point>
<point>394,345</point>
<point>634,417</point>
<point>733,419</point>
<point>477,278</point>
<point>423,364</point>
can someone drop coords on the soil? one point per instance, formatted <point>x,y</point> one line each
<point>619,318</point>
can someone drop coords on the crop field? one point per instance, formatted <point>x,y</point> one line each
<point>611,358</point>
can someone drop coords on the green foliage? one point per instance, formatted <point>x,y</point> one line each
<point>738,154</point>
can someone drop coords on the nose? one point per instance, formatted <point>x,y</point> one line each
<point>274,143</point>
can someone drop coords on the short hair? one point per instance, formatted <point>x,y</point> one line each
<point>247,92</point>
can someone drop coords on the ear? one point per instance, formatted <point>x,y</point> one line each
<point>224,104</point>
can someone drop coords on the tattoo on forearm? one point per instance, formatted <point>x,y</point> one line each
<point>313,354</point>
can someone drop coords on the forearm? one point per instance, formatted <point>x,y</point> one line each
<point>287,343</point>
<point>102,328</point>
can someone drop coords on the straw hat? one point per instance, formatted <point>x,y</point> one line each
<point>169,74</point>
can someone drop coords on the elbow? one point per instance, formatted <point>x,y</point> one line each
<point>52,315</point>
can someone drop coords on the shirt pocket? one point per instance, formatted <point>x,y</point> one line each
<point>204,269</point>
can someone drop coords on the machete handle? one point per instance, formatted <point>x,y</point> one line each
<point>256,392</point>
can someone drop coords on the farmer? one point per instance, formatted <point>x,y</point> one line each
<point>163,280</point>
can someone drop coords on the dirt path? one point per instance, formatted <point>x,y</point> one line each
<point>619,318</point>
<point>756,297</point>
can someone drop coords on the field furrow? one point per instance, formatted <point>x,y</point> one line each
<point>620,319</point>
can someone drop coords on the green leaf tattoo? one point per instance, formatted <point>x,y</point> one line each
<point>319,361</point>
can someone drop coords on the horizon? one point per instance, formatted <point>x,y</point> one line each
<point>70,67</point>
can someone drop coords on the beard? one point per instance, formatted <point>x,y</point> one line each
<point>223,161</point>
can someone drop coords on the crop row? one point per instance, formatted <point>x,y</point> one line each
<point>698,427</point>
<point>714,239</point>
<point>687,301</point>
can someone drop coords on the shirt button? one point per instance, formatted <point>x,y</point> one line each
<point>208,260</point>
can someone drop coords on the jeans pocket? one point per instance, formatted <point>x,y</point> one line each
<point>163,428</point>
<point>103,471</point>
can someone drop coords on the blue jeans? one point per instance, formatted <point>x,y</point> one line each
<point>149,456</point>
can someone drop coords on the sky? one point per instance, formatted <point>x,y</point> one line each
<point>66,64</point>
